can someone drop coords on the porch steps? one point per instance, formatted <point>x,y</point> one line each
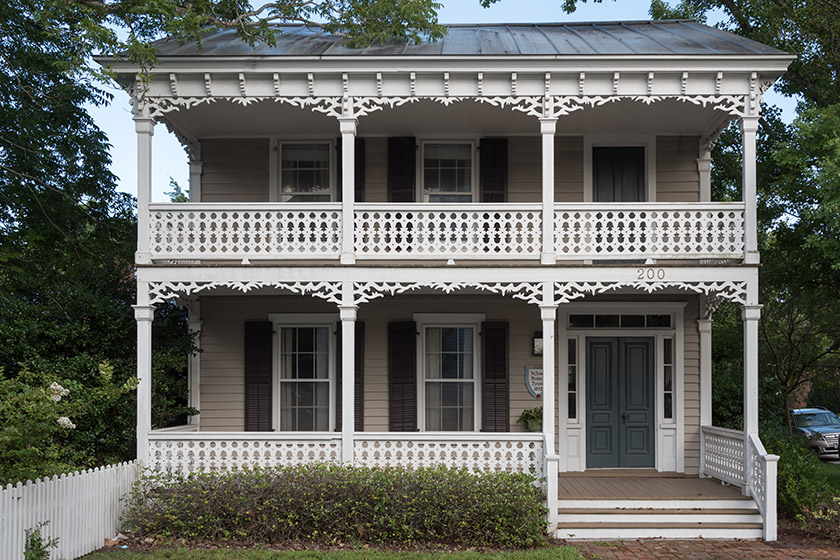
<point>669,519</point>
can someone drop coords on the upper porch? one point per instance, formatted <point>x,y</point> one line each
<point>572,143</point>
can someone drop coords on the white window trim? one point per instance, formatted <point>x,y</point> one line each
<point>421,153</point>
<point>275,154</point>
<point>647,141</point>
<point>280,320</point>
<point>424,320</point>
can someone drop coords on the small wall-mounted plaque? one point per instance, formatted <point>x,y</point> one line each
<point>537,346</point>
<point>534,380</point>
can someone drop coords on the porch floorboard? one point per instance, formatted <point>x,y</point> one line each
<point>644,487</point>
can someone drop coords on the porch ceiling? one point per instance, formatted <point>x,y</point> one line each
<point>224,119</point>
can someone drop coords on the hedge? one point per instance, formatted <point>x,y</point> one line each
<point>329,503</point>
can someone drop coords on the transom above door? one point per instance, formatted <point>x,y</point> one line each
<point>620,411</point>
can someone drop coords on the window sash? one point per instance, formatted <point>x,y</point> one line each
<point>449,398</point>
<point>448,172</point>
<point>305,172</point>
<point>305,377</point>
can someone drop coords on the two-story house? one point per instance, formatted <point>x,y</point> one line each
<point>391,252</point>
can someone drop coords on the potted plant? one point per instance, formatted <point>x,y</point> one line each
<point>531,419</point>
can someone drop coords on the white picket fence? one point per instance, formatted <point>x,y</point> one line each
<point>82,510</point>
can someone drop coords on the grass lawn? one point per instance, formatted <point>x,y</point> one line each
<point>832,474</point>
<point>550,553</point>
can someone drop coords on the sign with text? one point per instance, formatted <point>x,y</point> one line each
<point>534,380</point>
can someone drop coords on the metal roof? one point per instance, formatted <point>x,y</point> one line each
<point>662,37</point>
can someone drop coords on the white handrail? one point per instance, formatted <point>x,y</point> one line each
<point>763,488</point>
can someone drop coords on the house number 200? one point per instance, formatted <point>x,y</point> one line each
<point>650,274</point>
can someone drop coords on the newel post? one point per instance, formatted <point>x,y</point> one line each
<point>548,127</point>
<point>348,187</point>
<point>144,314</point>
<point>145,128</point>
<point>347,313</point>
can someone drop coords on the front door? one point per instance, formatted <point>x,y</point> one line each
<point>619,402</point>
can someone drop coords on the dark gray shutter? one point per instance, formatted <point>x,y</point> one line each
<point>401,169</point>
<point>359,183</point>
<point>493,155</point>
<point>618,173</point>
<point>359,379</point>
<point>495,378</point>
<point>402,376</point>
<point>258,343</point>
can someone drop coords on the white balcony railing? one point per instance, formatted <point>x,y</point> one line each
<point>582,231</point>
<point>245,230</point>
<point>650,230</point>
<point>435,231</point>
<point>722,454</point>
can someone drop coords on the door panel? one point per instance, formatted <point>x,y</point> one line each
<point>620,406</point>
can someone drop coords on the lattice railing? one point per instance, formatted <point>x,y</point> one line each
<point>763,485</point>
<point>722,455</point>
<point>649,230</point>
<point>206,451</point>
<point>475,452</point>
<point>239,231</point>
<point>466,231</point>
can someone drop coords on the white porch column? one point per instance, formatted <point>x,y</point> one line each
<point>704,169</point>
<point>194,362</point>
<point>196,169</point>
<point>348,312</point>
<point>750,314</point>
<point>749,128</point>
<point>548,314</point>
<point>705,328</point>
<point>348,187</point>
<point>145,128</point>
<point>144,314</point>
<point>548,127</point>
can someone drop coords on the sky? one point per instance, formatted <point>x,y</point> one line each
<point>170,160</point>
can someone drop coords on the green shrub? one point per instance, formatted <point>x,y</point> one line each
<point>331,503</point>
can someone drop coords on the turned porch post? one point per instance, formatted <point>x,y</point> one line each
<point>144,313</point>
<point>145,128</point>
<point>348,187</point>
<point>548,127</point>
<point>749,128</point>
<point>348,312</point>
<point>750,314</point>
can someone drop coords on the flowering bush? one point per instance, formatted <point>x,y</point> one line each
<point>36,420</point>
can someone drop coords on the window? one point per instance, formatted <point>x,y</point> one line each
<point>305,172</point>
<point>304,370</point>
<point>572,379</point>
<point>668,378</point>
<point>599,321</point>
<point>449,378</point>
<point>447,172</point>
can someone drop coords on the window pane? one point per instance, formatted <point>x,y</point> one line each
<point>572,405</point>
<point>669,405</point>
<point>581,321</point>
<point>632,321</point>
<point>669,378</point>
<point>603,321</point>
<point>305,173</point>
<point>662,321</point>
<point>572,351</point>
<point>449,406</point>
<point>447,172</point>
<point>304,406</point>
<point>668,350</point>
<point>572,378</point>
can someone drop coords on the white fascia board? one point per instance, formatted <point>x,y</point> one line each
<point>257,273</point>
<point>539,63</point>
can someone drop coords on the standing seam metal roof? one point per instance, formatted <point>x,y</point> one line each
<point>661,37</point>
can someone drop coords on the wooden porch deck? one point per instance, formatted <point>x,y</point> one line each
<point>642,485</point>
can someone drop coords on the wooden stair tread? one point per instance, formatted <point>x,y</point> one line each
<point>660,511</point>
<point>661,525</point>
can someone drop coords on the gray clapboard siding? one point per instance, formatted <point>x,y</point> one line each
<point>235,169</point>
<point>677,179</point>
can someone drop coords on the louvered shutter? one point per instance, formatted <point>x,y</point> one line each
<point>493,155</point>
<point>402,376</point>
<point>402,165</point>
<point>359,183</point>
<point>258,343</point>
<point>495,377</point>
<point>359,380</point>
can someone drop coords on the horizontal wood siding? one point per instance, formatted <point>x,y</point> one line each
<point>235,170</point>
<point>691,384</point>
<point>677,179</point>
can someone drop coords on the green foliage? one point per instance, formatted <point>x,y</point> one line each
<point>531,418</point>
<point>35,547</point>
<point>366,553</point>
<point>327,503</point>
<point>177,193</point>
<point>39,419</point>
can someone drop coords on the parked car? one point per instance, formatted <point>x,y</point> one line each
<point>820,425</point>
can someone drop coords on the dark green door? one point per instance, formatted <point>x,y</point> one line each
<point>619,402</point>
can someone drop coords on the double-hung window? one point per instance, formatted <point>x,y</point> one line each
<point>305,368</point>
<point>449,376</point>
<point>448,172</point>
<point>305,172</point>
